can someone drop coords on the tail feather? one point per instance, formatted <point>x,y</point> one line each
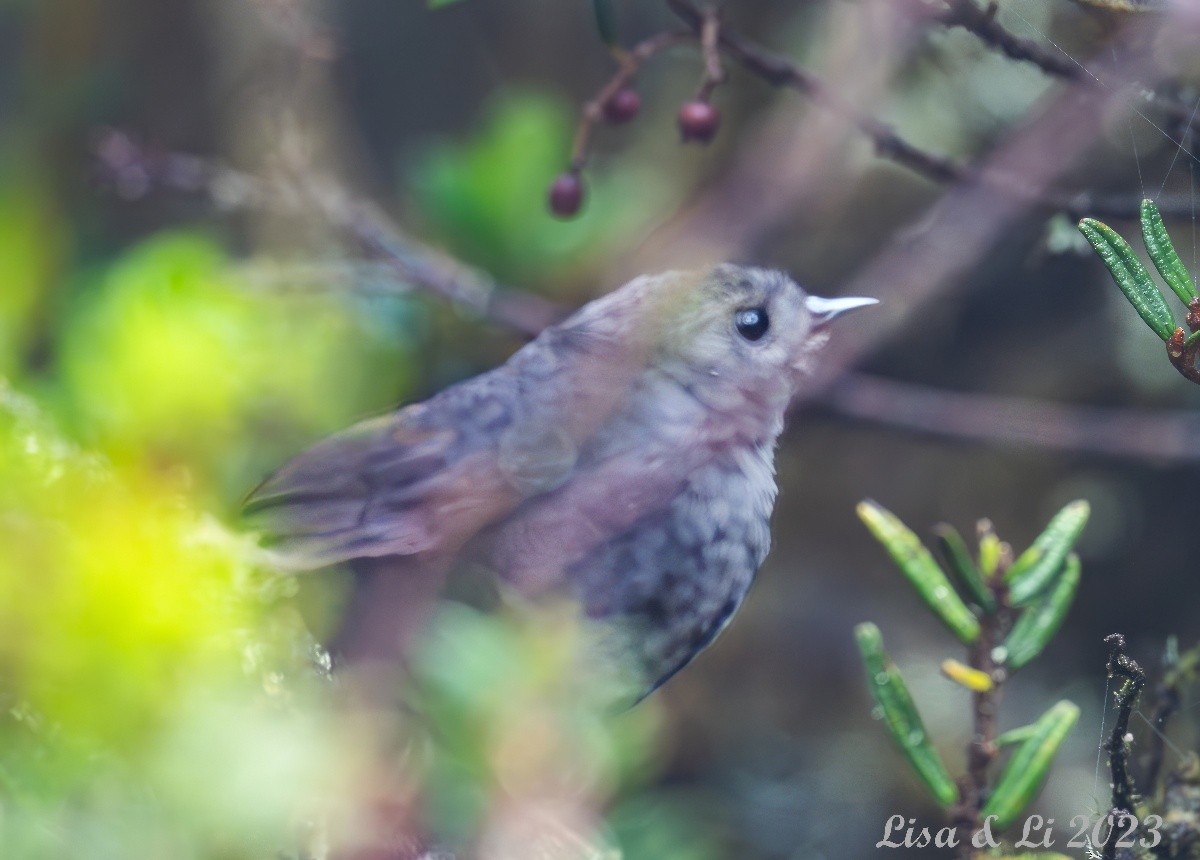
<point>357,494</point>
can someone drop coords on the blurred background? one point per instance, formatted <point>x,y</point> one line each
<point>171,329</point>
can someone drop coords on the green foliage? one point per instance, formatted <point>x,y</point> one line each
<point>32,245</point>
<point>1036,590</point>
<point>1162,253</point>
<point>954,548</point>
<point>654,826</point>
<point>141,654</point>
<point>172,356</point>
<point>1132,277</point>
<point>901,717</point>
<point>1030,764</point>
<point>1037,567</point>
<point>922,571</point>
<point>1037,626</point>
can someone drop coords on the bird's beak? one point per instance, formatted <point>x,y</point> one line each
<point>823,311</point>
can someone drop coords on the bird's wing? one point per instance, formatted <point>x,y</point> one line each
<point>421,480</point>
<point>428,478</point>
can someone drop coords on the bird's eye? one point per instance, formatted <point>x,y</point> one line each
<point>752,323</point>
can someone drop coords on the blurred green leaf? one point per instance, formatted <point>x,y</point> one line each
<point>1025,772</point>
<point>954,548</point>
<point>1162,253</point>
<point>172,356</point>
<point>922,571</point>
<point>438,4</point>
<point>1038,624</point>
<point>142,661</point>
<point>33,247</point>
<point>1130,276</point>
<point>649,825</point>
<point>1016,736</point>
<point>519,694</point>
<point>487,199</point>
<point>990,550</point>
<point>606,21</point>
<point>1035,569</point>
<point>901,716</point>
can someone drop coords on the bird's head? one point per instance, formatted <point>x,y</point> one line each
<point>734,333</point>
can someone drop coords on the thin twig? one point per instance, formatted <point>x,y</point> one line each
<point>981,21</point>
<point>710,39</point>
<point>1167,699</point>
<point>629,63</point>
<point>1133,680</point>
<point>779,71</point>
<point>1164,435</point>
<point>1168,696</point>
<point>982,749</point>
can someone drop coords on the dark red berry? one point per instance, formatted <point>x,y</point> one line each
<point>698,121</point>
<point>622,106</point>
<point>566,194</point>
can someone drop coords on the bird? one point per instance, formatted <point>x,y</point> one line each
<point>625,456</point>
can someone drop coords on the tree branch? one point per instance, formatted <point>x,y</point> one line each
<point>1133,679</point>
<point>630,62</point>
<point>134,170</point>
<point>779,71</point>
<point>1164,436</point>
<point>981,22</point>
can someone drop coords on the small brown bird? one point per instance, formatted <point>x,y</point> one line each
<point>625,455</point>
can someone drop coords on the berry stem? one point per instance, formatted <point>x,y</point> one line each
<point>629,62</point>
<point>710,41</point>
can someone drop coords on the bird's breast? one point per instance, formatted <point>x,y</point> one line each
<point>673,579</point>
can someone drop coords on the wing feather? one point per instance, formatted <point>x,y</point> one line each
<point>428,478</point>
<point>373,490</point>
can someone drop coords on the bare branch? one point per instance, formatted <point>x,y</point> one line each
<point>1166,436</point>
<point>779,71</point>
<point>981,21</point>
<point>1133,680</point>
<point>630,62</point>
